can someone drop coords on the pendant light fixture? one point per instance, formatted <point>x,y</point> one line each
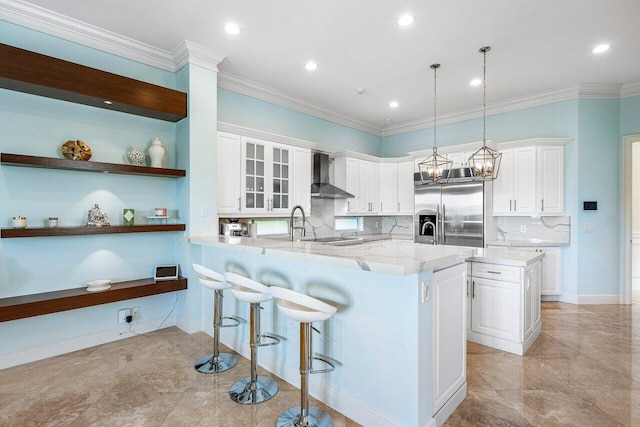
<point>485,162</point>
<point>432,168</point>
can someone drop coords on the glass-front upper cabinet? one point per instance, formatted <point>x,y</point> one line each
<point>265,170</point>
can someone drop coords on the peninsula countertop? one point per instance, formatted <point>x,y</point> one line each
<point>393,257</point>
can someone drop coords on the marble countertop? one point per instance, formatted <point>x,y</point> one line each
<point>526,243</point>
<point>380,256</point>
<point>501,257</point>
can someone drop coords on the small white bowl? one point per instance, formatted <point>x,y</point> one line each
<point>98,285</point>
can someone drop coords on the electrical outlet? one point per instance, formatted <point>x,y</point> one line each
<point>135,313</point>
<point>523,228</point>
<point>122,315</point>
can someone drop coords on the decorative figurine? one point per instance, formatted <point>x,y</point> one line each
<point>136,156</point>
<point>76,150</point>
<point>97,218</point>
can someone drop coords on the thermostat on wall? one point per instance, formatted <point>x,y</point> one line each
<point>165,272</point>
<point>589,206</point>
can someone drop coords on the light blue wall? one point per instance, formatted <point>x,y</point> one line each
<point>630,115</point>
<point>255,114</point>
<point>36,125</point>
<point>599,179</point>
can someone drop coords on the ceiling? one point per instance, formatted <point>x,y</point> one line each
<point>537,46</point>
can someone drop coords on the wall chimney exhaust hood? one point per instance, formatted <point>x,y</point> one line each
<point>321,187</point>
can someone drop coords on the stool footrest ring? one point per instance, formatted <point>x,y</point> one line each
<point>237,321</point>
<point>275,340</point>
<point>331,367</point>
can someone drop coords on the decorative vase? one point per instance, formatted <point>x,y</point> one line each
<point>156,153</point>
<point>135,156</point>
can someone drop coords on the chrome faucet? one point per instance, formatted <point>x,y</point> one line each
<point>304,221</point>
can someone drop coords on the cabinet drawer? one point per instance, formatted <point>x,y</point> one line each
<point>496,272</point>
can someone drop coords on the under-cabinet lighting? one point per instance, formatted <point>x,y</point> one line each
<point>108,102</point>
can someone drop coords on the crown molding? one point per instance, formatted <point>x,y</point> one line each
<point>260,134</point>
<point>273,96</point>
<point>599,90</point>
<point>190,52</point>
<point>630,89</point>
<point>64,27</point>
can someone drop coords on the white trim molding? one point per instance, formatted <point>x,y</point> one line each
<point>255,133</point>
<point>189,52</point>
<point>273,96</point>
<point>629,90</point>
<point>64,27</point>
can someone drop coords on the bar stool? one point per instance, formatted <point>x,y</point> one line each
<point>253,389</point>
<point>215,362</point>
<point>304,309</point>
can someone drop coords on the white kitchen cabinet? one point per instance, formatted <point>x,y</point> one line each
<point>229,184</point>
<point>551,270</point>
<point>449,334</point>
<point>550,180</point>
<point>266,177</point>
<point>301,183</point>
<point>360,178</point>
<point>406,197</point>
<point>396,188</point>
<point>504,306</point>
<point>460,159</point>
<point>514,191</point>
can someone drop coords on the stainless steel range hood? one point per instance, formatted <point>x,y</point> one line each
<point>321,186</point>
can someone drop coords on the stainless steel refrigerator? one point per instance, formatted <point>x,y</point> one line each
<point>450,214</point>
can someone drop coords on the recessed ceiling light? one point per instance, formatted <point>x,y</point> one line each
<point>393,104</point>
<point>360,90</point>
<point>406,20</point>
<point>311,66</point>
<point>601,48</point>
<point>476,82</point>
<point>232,28</point>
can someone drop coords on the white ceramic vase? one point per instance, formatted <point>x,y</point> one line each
<point>156,153</point>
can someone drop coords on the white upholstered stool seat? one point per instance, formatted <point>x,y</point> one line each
<point>216,361</point>
<point>304,309</point>
<point>211,279</point>
<point>253,389</point>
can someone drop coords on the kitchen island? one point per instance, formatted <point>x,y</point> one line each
<point>398,338</point>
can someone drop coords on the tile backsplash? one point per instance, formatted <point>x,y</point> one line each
<point>548,228</point>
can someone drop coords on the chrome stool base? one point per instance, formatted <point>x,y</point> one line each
<point>210,365</point>
<point>292,417</point>
<point>248,392</point>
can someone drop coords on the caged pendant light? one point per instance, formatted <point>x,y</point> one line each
<point>485,162</point>
<point>432,168</point>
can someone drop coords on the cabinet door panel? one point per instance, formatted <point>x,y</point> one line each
<point>550,179</point>
<point>528,306</point>
<point>405,188</point>
<point>389,188</point>
<point>495,309</point>
<point>449,333</point>
<point>280,180</point>
<point>229,186</point>
<point>551,276</point>
<point>374,187</point>
<point>503,185</point>
<point>254,171</point>
<point>524,182</point>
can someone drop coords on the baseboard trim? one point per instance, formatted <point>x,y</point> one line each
<point>551,298</point>
<point>80,342</point>
<point>346,405</point>
<point>189,326</point>
<point>589,299</point>
<point>504,345</point>
<point>448,408</point>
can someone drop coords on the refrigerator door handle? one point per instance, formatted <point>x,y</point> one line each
<point>436,236</point>
<point>444,235</point>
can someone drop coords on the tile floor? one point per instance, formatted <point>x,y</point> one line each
<point>583,370</point>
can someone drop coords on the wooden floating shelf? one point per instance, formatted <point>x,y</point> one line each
<point>69,299</point>
<point>87,166</point>
<point>29,72</point>
<point>7,233</point>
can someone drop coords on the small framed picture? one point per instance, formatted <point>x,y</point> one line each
<point>165,272</point>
